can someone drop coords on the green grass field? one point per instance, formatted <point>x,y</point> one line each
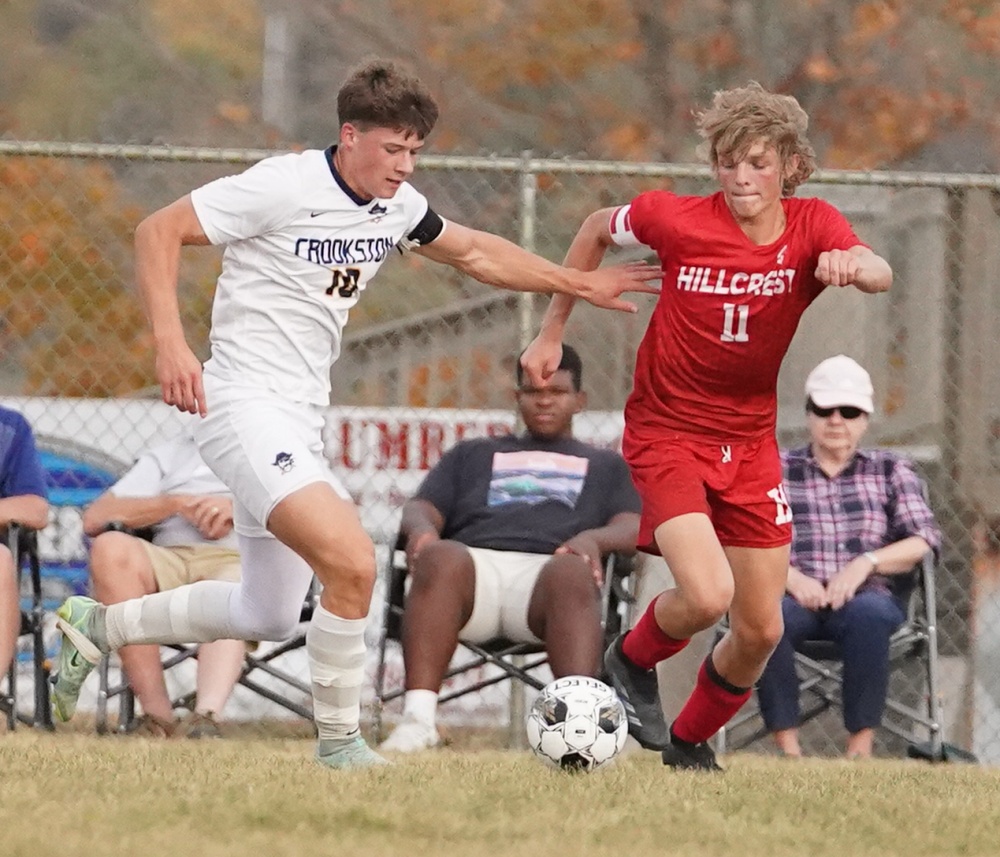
<point>74,795</point>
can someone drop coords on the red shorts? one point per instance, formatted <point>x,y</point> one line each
<point>738,485</point>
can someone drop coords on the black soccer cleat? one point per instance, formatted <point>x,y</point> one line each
<point>685,756</point>
<point>639,692</point>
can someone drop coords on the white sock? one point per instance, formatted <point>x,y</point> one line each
<point>173,616</point>
<point>336,650</point>
<point>421,705</point>
<point>265,605</point>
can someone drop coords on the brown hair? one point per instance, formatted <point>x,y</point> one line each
<point>380,94</point>
<point>738,118</point>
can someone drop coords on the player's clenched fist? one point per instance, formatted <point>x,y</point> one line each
<point>837,268</point>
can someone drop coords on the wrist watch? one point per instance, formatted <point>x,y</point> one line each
<point>868,555</point>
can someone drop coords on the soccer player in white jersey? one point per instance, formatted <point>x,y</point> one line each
<point>304,234</point>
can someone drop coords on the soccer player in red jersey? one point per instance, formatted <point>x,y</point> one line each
<point>740,268</point>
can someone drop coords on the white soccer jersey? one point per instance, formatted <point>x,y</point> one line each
<point>301,247</point>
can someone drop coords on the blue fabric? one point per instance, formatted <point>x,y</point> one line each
<point>21,470</point>
<point>862,628</point>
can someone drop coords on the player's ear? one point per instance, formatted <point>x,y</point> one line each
<point>791,166</point>
<point>581,402</point>
<point>348,135</point>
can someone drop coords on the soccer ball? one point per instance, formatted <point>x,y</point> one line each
<point>576,723</point>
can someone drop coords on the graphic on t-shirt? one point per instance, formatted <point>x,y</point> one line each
<point>534,476</point>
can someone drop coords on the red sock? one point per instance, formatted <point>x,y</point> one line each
<point>712,702</point>
<point>646,644</point>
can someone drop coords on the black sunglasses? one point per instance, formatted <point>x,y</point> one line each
<point>848,412</point>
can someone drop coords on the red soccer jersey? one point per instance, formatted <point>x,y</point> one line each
<point>708,363</point>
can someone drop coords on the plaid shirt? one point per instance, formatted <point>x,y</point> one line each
<point>878,499</point>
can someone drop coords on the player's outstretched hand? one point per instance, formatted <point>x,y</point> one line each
<point>179,374</point>
<point>603,286</point>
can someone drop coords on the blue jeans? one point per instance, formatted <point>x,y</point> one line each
<point>862,628</point>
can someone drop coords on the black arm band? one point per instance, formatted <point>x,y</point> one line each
<point>429,228</point>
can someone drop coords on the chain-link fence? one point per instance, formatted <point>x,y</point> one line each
<point>428,356</point>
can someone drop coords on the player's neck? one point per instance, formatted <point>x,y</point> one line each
<point>344,171</point>
<point>765,227</point>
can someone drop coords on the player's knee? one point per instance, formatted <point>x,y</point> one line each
<point>359,573</point>
<point>771,635</point>
<point>352,570</point>
<point>709,608</point>
<point>759,639</point>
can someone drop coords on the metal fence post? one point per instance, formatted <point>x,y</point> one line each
<point>527,219</point>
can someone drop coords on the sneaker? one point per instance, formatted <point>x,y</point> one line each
<point>684,755</point>
<point>353,754</point>
<point>200,724</point>
<point>411,736</point>
<point>639,692</point>
<point>151,726</point>
<point>78,654</point>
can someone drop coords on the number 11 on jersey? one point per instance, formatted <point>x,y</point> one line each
<point>734,323</point>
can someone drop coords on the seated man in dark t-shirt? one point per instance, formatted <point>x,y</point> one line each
<point>505,538</point>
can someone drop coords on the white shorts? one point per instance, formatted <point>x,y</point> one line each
<point>263,448</point>
<point>504,583</point>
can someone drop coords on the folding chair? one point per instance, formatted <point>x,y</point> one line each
<point>23,544</point>
<point>820,671</point>
<point>514,662</point>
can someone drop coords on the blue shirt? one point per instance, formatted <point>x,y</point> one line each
<point>21,469</point>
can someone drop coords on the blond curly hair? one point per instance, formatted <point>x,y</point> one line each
<point>738,118</point>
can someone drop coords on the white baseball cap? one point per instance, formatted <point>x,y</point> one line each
<point>840,381</point>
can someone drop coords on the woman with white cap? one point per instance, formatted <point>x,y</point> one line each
<point>860,522</point>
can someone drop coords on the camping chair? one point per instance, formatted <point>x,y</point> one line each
<point>23,544</point>
<point>513,661</point>
<point>913,645</point>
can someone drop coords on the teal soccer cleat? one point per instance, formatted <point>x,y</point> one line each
<point>78,655</point>
<point>352,754</point>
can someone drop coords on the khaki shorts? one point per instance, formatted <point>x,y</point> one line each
<point>178,566</point>
<point>504,583</point>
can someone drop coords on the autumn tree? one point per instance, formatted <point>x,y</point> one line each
<point>72,323</point>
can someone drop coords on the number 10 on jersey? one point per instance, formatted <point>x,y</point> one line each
<point>345,282</point>
<point>734,323</point>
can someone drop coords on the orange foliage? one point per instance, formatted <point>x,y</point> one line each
<point>65,248</point>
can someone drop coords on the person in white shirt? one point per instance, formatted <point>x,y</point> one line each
<point>304,234</point>
<point>170,491</point>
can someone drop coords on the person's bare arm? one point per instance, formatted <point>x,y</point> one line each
<point>618,534</point>
<point>860,267</point>
<point>28,509</point>
<point>896,558</point>
<point>592,240</point>
<point>158,242</point>
<point>210,514</point>
<point>499,262</point>
<point>421,524</point>
<point>133,512</point>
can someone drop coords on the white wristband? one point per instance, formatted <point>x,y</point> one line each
<point>868,555</point>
